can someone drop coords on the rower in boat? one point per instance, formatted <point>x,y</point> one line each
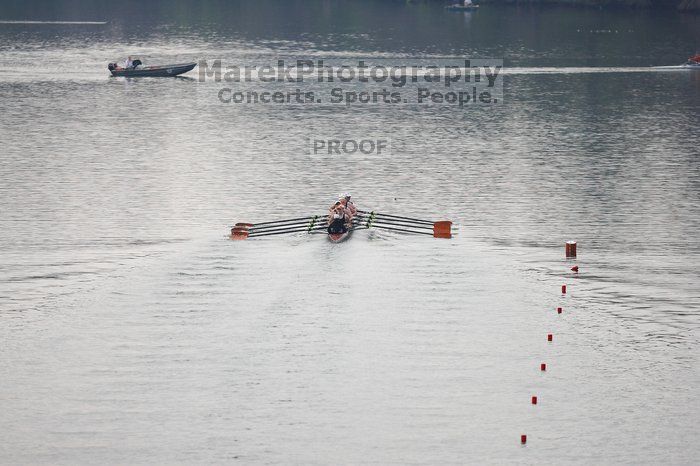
<point>694,60</point>
<point>339,220</point>
<point>348,204</point>
<point>340,214</point>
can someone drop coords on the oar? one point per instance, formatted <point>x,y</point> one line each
<point>442,229</point>
<point>281,223</point>
<point>403,230</point>
<point>278,221</point>
<point>275,227</point>
<point>243,234</point>
<point>281,232</point>
<point>436,233</point>
<point>378,214</point>
<point>400,223</point>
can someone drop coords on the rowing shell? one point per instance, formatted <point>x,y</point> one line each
<point>364,221</point>
<point>338,237</point>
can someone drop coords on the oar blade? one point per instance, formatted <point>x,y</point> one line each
<point>239,234</point>
<point>442,229</point>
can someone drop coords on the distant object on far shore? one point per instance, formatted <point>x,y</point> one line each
<point>693,62</point>
<point>467,5</point>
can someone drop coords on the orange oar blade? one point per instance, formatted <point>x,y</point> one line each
<point>239,234</point>
<point>247,225</point>
<point>442,229</point>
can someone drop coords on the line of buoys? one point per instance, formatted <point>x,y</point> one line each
<point>570,249</point>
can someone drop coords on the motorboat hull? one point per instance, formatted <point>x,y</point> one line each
<point>163,71</point>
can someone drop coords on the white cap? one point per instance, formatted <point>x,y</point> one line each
<point>344,195</point>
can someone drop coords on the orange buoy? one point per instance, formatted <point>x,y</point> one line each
<point>574,268</point>
<point>559,310</point>
<point>523,439</point>
<point>563,289</point>
<point>570,249</point>
<point>543,367</point>
<point>534,400</point>
<point>550,337</point>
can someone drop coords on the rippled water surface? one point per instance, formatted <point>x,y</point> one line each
<point>133,331</point>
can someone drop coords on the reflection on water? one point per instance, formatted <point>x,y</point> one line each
<point>128,320</point>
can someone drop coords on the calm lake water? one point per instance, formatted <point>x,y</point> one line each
<point>132,331</point>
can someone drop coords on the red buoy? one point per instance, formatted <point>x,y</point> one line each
<point>570,249</point>
<point>559,310</point>
<point>523,439</point>
<point>543,367</point>
<point>550,337</point>
<point>574,268</point>
<point>563,289</point>
<point>534,400</point>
